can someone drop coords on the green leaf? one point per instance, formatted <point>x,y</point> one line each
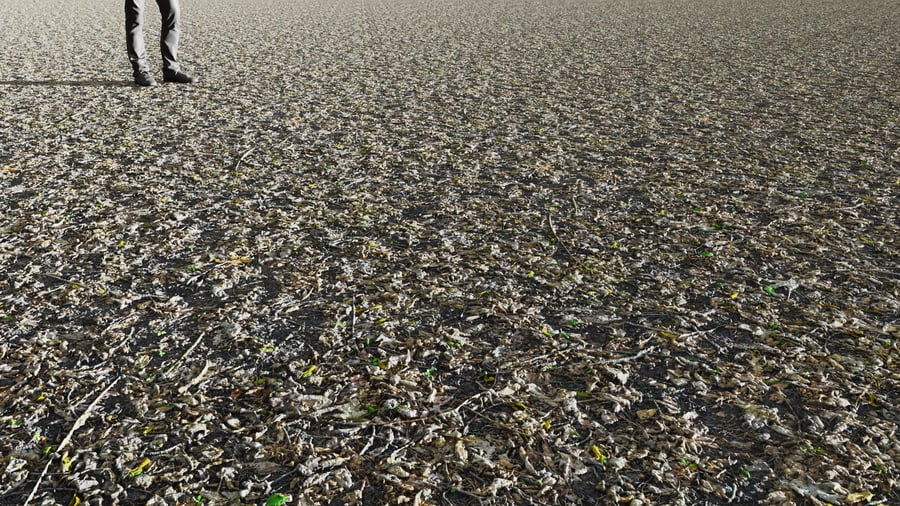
<point>277,500</point>
<point>769,289</point>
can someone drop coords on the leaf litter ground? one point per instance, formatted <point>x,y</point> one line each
<point>464,252</point>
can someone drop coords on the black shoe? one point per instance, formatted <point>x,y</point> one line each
<point>178,77</point>
<point>143,78</point>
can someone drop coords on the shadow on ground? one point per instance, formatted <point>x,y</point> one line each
<point>57,82</point>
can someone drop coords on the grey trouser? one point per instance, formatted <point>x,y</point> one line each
<point>168,42</point>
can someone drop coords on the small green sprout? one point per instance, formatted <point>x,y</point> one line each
<point>813,449</point>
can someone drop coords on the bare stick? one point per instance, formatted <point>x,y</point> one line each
<point>556,236</point>
<point>65,442</point>
<point>241,159</point>
<point>353,321</point>
<point>629,358</point>
<point>184,355</point>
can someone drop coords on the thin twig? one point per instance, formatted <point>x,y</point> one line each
<point>556,236</point>
<point>65,442</point>
<point>184,355</point>
<point>369,444</point>
<point>73,115</point>
<point>353,321</point>
<point>241,159</point>
<point>630,357</point>
<point>197,379</point>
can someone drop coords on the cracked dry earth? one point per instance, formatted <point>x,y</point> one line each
<point>452,252</point>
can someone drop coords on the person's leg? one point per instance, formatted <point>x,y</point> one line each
<point>168,43</point>
<point>134,35</point>
<point>170,33</point>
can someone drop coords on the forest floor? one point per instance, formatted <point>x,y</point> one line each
<point>452,252</point>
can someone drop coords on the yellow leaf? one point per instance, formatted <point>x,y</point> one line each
<point>546,424</point>
<point>41,397</point>
<point>546,332</point>
<point>872,400</point>
<point>644,414</point>
<point>66,463</point>
<point>857,497</point>
<point>598,455</point>
<point>668,335</point>
<point>139,468</point>
<point>734,295</point>
<point>309,371</point>
<point>75,501</point>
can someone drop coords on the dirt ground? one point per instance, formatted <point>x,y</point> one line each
<point>455,252</point>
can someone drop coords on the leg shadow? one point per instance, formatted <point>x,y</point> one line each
<point>80,83</point>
